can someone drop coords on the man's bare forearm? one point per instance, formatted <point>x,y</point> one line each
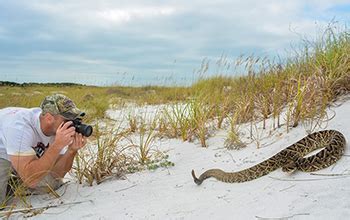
<point>63,164</point>
<point>35,170</point>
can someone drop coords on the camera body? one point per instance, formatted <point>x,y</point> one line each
<point>84,129</point>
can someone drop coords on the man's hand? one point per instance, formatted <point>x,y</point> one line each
<point>79,142</point>
<point>64,135</point>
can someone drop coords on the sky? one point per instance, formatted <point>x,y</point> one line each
<point>156,42</point>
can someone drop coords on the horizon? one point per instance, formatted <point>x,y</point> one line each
<point>154,43</point>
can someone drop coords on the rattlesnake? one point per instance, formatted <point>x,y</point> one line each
<point>290,159</point>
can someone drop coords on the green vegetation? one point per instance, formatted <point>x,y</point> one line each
<point>94,100</point>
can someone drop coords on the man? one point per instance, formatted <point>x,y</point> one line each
<point>38,144</point>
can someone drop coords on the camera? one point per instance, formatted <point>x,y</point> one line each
<point>85,130</point>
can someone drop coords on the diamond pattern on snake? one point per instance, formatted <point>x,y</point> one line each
<point>290,159</point>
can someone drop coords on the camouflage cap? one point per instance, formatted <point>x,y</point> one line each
<point>59,104</point>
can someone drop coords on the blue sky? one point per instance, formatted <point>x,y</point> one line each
<point>148,42</point>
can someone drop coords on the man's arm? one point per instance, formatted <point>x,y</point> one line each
<point>31,169</point>
<point>65,162</point>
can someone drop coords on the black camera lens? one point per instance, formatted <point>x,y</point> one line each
<point>85,130</point>
<point>81,128</point>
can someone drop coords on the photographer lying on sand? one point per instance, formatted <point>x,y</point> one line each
<point>38,145</point>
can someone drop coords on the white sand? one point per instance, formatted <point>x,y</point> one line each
<point>171,193</point>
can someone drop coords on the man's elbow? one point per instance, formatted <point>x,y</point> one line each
<point>31,182</point>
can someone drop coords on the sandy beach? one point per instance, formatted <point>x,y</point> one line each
<point>170,193</point>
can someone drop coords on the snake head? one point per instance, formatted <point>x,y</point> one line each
<point>290,167</point>
<point>195,179</point>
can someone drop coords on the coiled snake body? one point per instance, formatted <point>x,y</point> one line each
<point>290,159</point>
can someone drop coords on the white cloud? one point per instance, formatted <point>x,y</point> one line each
<point>127,14</point>
<point>91,14</point>
<point>269,16</point>
<point>143,35</point>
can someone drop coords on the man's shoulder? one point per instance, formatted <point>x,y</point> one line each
<point>18,111</point>
<point>17,117</point>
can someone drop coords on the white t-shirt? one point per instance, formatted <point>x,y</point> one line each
<point>21,134</point>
